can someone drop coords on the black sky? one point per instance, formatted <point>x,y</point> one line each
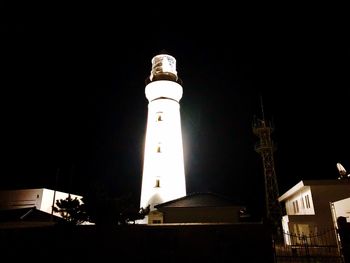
<point>73,99</point>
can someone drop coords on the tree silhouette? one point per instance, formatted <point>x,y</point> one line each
<point>71,210</point>
<point>106,210</point>
<point>131,214</point>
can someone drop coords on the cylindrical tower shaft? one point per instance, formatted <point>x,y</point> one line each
<point>163,177</point>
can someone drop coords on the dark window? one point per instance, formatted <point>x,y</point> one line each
<point>297,206</point>
<point>159,116</point>
<point>294,208</point>
<point>157,183</point>
<point>307,201</point>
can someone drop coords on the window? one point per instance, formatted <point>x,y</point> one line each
<point>157,183</point>
<point>159,147</point>
<point>297,206</point>
<point>295,210</point>
<point>307,201</point>
<point>302,203</point>
<point>159,116</point>
<point>156,221</point>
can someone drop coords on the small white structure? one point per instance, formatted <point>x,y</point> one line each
<point>341,208</point>
<point>308,205</point>
<point>41,198</point>
<point>163,177</point>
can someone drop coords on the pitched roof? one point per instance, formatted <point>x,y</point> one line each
<point>307,183</point>
<point>199,200</point>
<point>27,214</point>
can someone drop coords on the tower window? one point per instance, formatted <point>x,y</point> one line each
<point>157,183</point>
<point>159,116</point>
<point>158,149</point>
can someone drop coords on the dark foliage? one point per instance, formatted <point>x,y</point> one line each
<point>104,209</point>
<point>72,210</point>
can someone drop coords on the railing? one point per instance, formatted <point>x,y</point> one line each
<point>298,247</point>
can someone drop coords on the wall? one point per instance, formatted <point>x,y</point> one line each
<point>48,199</point>
<point>323,195</point>
<point>24,198</point>
<point>41,198</point>
<point>140,243</point>
<point>342,208</point>
<point>201,214</point>
<point>302,197</point>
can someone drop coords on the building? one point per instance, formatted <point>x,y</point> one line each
<point>197,208</point>
<point>41,198</point>
<point>341,208</point>
<point>309,207</point>
<point>163,177</point>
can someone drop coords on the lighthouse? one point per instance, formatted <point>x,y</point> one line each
<point>163,177</point>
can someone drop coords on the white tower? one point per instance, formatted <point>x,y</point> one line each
<point>163,176</point>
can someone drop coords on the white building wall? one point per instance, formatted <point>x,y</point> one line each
<point>323,195</point>
<point>24,198</point>
<point>342,208</point>
<point>41,198</point>
<point>49,197</point>
<point>300,203</point>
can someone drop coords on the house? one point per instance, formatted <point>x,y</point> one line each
<point>308,206</point>
<point>27,217</point>
<point>41,198</point>
<point>197,208</point>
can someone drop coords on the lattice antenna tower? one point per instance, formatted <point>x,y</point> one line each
<point>265,147</point>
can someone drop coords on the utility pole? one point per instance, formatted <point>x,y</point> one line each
<point>54,192</point>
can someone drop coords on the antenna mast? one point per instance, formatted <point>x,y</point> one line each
<point>265,147</point>
<point>262,108</point>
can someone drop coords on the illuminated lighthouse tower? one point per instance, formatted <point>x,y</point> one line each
<point>163,176</point>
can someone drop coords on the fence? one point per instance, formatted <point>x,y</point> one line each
<point>321,247</point>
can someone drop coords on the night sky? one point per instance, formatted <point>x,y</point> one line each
<point>73,98</point>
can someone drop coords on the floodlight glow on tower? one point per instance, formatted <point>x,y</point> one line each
<point>163,177</point>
